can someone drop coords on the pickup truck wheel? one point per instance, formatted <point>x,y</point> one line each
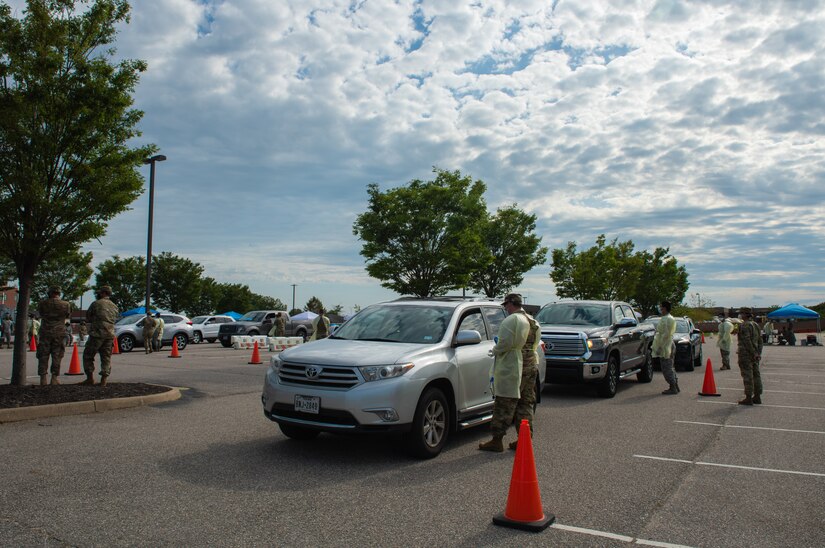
<point>253,333</point>
<point>698,361</point>
<point>226,344</point>
<point>212,340</point>
<point>298,432</point>
<point>197,338</point>
<point>301,333</point>
<point>431,425</point>
<point>608,386</point>
<point>689,363</point>
<point>646,374</point>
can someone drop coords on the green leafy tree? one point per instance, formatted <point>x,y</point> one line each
<point>176,282</point>
<point>71,271</point>
<point>66,117</point>
<point>605,271</point>
<point>424,239</point>
<point>661,278</point>
<point>234,297</point>
<point>127,278</point>
<point>510,237</point>
<point>313,304</point>
<point>295,311</point>
<point>208,297</point>
<point>337,310</point>
<point>265,302</point>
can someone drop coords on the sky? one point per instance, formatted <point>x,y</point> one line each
<point>693,125</point>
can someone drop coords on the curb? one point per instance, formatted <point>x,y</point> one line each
<point>84,407</point>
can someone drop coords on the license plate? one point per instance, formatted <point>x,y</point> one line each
<point>307,404</point>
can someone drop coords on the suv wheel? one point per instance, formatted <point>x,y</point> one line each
<point>610,383</point>
<point>126,343</point>
<point>298,432</point>
<point>431,425</point>
<point>212,340</point>
<point>182,339</point>
<point>646,374</point>
<point>226,344</point>
<point>689,363</point>
<point>197,338</point>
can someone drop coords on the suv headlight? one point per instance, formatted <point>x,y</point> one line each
<point>596,344</point>
<point>381,372</point>
<point>274,364</point>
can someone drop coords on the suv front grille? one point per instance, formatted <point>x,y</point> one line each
<point>322,376</point>
<point>329,416</point>
<point>563,345</point>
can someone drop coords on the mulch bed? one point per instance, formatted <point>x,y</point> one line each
<point>29,395</point>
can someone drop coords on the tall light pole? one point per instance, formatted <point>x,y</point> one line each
<point>293,297</point>
<point>151,161</point>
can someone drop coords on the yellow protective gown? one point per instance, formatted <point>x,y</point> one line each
<point>663,339</point>
<point>506,372</point>
<point>725,329</point>
<point>315,321</point>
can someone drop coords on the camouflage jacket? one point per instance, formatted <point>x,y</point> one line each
<point>102,315</point>
<point>54,312</point>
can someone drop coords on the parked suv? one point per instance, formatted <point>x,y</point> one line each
<point>206,327</point>
<point>420,367</point>
<point>129,331</point>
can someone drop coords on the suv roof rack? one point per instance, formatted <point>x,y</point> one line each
<point>445,298</point>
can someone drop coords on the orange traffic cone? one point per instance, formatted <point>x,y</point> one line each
<point>74,367</point>
<point>175,353</point>
<point>709,386</point>
<point>32,345</point>
<point>115,348</point>
<point>524,509</point>
<point>703,337</point>
<point>256,355</point>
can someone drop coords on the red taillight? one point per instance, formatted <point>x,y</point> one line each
<point>189,322</point>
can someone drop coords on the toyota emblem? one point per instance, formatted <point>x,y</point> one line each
<point>548,346</point>
<point>312,372</point>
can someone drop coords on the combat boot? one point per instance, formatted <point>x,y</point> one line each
<point>44,380</point>
<point>757,399</point>
<point>103,380</point>
<point>672,390</point>
<point>747,401</point>
<point>55,380</point>
<point>90,380</point>
<point>495,445</point>
<point>676,384</point>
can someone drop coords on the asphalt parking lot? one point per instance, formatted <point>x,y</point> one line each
<point>640,468</point>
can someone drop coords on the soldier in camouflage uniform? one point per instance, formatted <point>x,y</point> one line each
<point>148,332</point>
<point>514,373</point>
<point>55,312</point>
<point>279,327</point>
<point>102,315</point>
<point>750,352</point>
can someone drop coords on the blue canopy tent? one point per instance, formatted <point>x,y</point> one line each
<point>795,311</point>
<point>138,310</point>
<point>232,314</point>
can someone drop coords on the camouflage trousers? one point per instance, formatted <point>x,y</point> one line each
<point>147,341</point>
<point>50,346</point>
<point>751,378</point>
<point>725,358</point>
<point>507,411</point>
<point>97,345</point>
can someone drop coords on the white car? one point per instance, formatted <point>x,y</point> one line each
<point>206,327</point>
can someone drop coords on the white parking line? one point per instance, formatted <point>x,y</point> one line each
<point>735,466</point>
<point>751,427</point>
<point>614,536</point>
<point>773,372</point>
<point>765,405</point>
<point>777,391</point>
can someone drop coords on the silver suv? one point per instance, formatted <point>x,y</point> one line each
<point>420,367</point>
<point>129,331</point>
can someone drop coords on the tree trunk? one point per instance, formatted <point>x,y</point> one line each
<point>18,370</point>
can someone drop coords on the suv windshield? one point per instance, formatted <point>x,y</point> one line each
<point>128,320</point>
<point>398,323</point>
<point>252,317</point>
<point>574,314</point>
<point>199,319</point>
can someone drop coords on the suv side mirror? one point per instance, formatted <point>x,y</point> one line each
<point>466,337</point>
<point>626,322</point>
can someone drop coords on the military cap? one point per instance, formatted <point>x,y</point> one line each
<point>55,289</point>
<point>105,289</point>
<point>746,310</point>
<point>512,298</point>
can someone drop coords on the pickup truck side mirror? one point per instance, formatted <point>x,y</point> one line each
<point>626,322</point>
<point>467,337</point>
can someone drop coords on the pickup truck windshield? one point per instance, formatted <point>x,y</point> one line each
<point>252,317</point>
<point>595,315</point>
<point>398,323</point>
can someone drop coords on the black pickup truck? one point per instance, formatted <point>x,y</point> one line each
<point>596,342</point>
